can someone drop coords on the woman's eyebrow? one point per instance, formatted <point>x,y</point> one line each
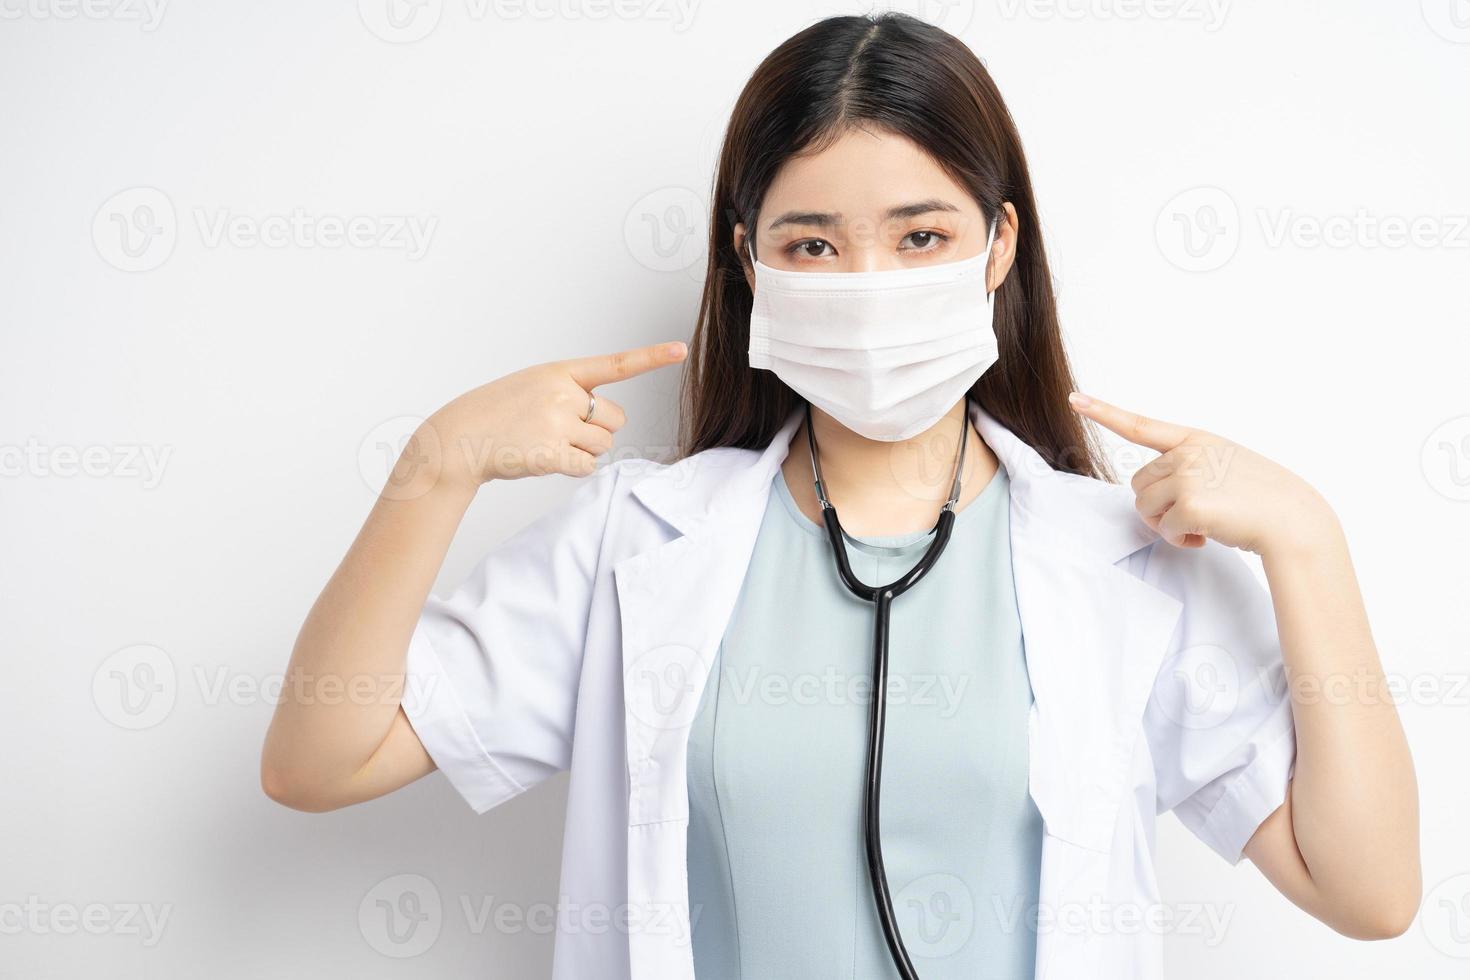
<point>830,219</point>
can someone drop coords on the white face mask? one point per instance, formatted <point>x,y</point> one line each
<point>885,353</point>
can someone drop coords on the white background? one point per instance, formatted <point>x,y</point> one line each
<point>189,447</point>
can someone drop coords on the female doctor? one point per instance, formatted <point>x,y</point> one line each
<point>878,366</point>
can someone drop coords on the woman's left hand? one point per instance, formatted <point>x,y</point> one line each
<point>1205,486</point>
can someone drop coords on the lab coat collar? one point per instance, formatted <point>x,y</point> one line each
<point>1076,509</point>
<point>688,493</point>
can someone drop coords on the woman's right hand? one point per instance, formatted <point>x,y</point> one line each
<point>529,423</point>
<point>325,752</point>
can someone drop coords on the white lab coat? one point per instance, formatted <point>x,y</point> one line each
<point>583,642</point>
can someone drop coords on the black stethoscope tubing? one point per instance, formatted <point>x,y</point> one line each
<point>882,596</point>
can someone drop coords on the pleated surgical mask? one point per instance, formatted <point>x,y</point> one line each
<point>885,353</point>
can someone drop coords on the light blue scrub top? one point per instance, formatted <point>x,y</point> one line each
<point>778,884</point>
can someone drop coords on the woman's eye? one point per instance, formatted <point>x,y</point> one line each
<point>809,249</point>
<point>914,241</point>
<point>925,241</point>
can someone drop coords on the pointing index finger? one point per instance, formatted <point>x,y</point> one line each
<point>602,369</point>
<point>1138,429</point>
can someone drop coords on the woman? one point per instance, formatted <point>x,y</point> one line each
<point>877,306</point>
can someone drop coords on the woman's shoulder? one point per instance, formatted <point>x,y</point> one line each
<point>618,496</point>
<point>634,475</point>
<point>1105,513</point>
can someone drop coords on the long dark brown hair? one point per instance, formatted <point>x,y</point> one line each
<point>888,71</point>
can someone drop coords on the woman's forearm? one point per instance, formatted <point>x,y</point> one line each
<point>344,682</point>
<point>1354,809</point>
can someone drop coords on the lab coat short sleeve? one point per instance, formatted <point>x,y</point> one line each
<point>492,670</point>
<point>1219,719</point>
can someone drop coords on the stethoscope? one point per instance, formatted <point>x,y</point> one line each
<point>882,596</point>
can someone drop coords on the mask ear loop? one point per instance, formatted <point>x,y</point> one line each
<point>989,244</point>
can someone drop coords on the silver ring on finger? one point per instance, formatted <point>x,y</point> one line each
<point>591,407</point>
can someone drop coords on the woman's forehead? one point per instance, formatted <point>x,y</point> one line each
<point>863,176</point>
